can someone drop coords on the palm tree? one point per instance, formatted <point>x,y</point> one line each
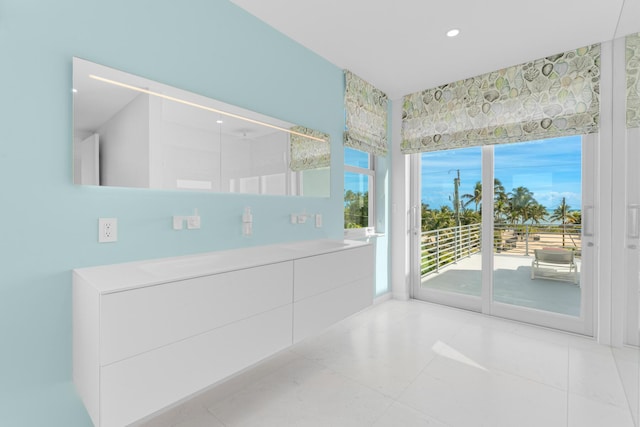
<point>356,209</point>
<point>436,219</point>
<point>469,217</point>
<point>498,188</point>
<point>575,217</point>
<point>520,203</point>
<point>562,214</point>
<point>476,197</point>
<point>537,213</point>
<point>500,207</point>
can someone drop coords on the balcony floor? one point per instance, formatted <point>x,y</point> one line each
<point>512,284</point>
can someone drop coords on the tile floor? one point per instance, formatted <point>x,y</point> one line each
<point>418,364</point>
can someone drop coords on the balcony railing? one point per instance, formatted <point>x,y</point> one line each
<point>440,248</point>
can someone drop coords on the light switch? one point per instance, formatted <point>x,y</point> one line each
<point>177,222</point>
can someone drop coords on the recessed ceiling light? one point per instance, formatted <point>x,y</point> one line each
<point>74,90</point>
<point>219,122</point>
<point>453,32</point>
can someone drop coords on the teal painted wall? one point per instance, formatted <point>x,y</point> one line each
<point>49,226</point>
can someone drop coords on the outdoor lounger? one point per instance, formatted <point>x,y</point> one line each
<point>547,261</point>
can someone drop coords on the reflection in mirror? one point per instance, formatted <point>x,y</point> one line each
<point>132,132</point>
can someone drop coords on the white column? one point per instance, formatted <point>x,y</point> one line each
<point>400,210</point>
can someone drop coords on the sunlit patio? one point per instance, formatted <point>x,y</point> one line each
<point>512,283</point>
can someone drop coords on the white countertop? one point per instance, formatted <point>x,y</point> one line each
<point>120,277</point>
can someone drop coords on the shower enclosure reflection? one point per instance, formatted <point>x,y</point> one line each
<point>133,132</point>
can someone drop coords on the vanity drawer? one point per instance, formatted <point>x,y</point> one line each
<point>316,313</point>
<point>143,319</point>
<point>318,274</point>
<point>141,385</point>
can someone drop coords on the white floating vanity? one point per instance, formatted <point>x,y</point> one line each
<point>148,334</point>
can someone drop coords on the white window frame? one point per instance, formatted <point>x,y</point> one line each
<point>355,233</point>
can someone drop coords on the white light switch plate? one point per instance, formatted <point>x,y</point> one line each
<point>193,222</point>
<point>107,230</point>
<point>178,222</point>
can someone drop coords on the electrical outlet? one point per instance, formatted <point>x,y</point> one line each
<point>107,230</point>
<point>318,220</point>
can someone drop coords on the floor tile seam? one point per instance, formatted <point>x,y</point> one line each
<point>534,340</point>
<point>509,374</point>
<point>383,413</point>
<point>358,327</point>
<point>347,377</point>
<point>388,324</point>
<point>217,418</point>
<point>253,382</point>
<point>568,393</point>
<point>415,378</point>
<point>627,405</point>
<point>445,381</point>
<point>598,350</point>
<point>619,372</point>
<point>628,399</point>
<point>522,377</point>
<point>420,410</point>
<point>600,401</point>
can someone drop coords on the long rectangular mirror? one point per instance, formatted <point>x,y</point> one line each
<point>133,132</point>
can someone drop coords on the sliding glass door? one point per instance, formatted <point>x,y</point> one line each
<point>448,238</point>
<point>503,230</point>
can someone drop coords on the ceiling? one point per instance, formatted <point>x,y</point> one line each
<point>400,46</point>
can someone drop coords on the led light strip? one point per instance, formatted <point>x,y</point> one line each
<point>202,107</point>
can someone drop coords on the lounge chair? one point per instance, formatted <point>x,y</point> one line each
<point>547,261</point>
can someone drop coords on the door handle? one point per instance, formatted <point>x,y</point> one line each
<point>633,221</point>
<point>590,244</point>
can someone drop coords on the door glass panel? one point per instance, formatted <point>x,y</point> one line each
<point>537,225</point>
<point>451,216</point>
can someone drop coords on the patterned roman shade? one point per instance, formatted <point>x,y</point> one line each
<point>309,153</point>
<point>633,80</point>
<point>554,96</point>
<point>366,116</point>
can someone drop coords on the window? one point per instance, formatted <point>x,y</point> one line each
<point>359,183</point>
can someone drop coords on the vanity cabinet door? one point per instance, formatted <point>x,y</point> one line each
<point>331,287</point>
<point>143,319</point>
<point>317,274</point>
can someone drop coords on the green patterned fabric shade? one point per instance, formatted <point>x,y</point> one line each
<point>633,80</point>
<point>366,116</point>
<point>309,153</point>
<point>554,96</point>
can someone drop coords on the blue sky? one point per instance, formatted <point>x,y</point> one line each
<point>551,169</point>
<point>352,181</point>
